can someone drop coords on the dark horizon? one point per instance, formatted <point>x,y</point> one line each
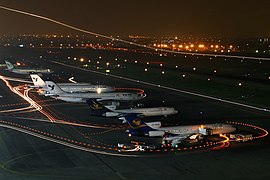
<point>233,19</point>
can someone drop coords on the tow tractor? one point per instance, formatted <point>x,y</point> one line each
<point>241,137</point>
<point>134,146</point>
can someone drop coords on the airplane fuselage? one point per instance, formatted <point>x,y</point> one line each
<point>28,71</point>
<point>84,88</point>
<point>82,97</point>
<point>218,128</point>
<point>156,111</point>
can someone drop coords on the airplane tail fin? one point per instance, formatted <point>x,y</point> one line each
<point>136,123</point>
<point>96,108</point>
<point>9,65</point>
<point>53,88</point>
<point>37,80</point>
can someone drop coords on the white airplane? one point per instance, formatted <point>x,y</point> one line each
<point>139,127</point>
<point>97,109</point>
<point>54,91</point>
<point>70,87</point>
<point>11,68</point>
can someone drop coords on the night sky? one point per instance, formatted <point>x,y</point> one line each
<point>221,18</point>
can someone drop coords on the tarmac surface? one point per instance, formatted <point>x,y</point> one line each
<point>32,147</point>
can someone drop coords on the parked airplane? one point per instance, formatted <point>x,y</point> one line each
<point>97,109</point>
<point>139,127</point>
<point>56,92</point>
<point>11,68</point>
<point>71,87</point>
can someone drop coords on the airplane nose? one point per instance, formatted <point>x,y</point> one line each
<point>233,129</point>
